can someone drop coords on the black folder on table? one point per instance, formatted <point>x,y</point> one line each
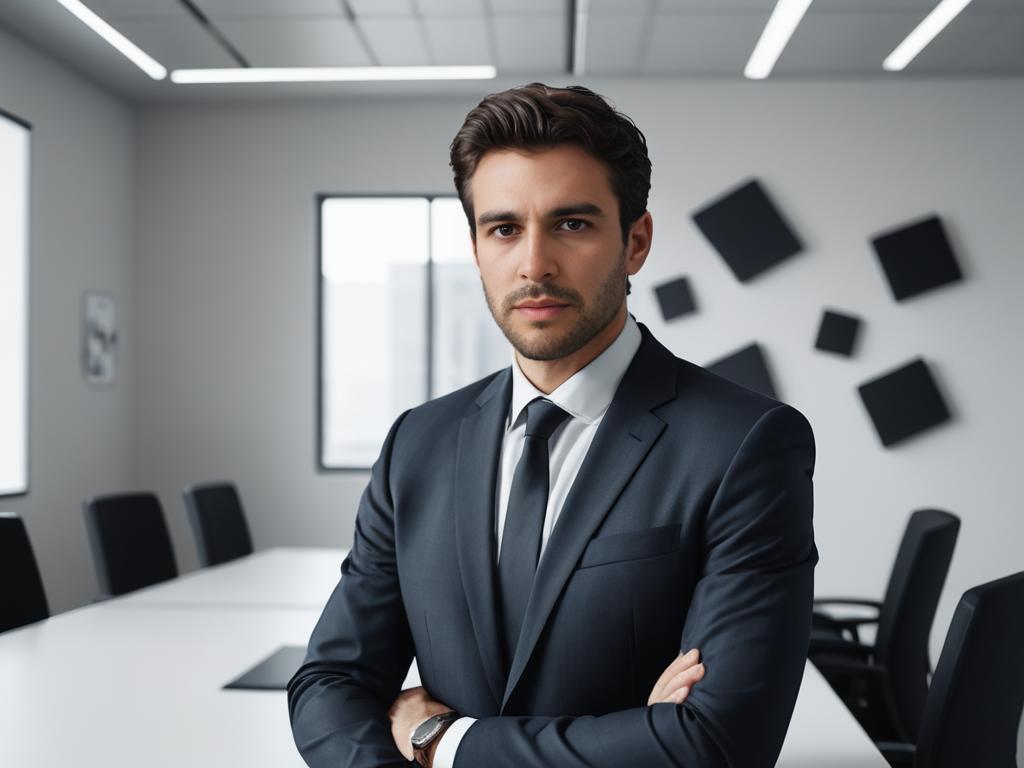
<point>273,673</point>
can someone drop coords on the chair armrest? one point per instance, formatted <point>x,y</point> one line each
<point>845,625</point>
<point>838,646</point>
<point>848,601</point>
<point>849,622</point>
<point>831,666</point>
<point>897,754</point>
<point>846,628</point>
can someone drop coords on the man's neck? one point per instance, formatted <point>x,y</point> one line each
<point>549,375</point>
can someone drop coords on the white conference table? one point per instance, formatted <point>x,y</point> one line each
<point>137,680</point>
<point>286,577</point>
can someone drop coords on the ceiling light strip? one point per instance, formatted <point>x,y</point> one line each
<point>780,27</point>
<point>328,74</point>
<point>578,40</point>
<point>924,33</point>
<point>126,47</point>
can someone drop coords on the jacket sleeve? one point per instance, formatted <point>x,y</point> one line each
<point>361,648</point>
<point>750,616</point>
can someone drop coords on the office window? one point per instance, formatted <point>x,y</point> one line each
<point>14,152</point>
<point>402,317</point>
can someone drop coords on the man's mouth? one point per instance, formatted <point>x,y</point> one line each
<point>540,309</point>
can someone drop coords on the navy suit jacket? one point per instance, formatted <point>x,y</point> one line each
<point>688,525</point>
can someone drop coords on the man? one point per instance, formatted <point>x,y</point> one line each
<point>546,540</point>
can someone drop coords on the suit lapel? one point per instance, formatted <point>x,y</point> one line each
<point>623,440</point>
<point>476,472</point>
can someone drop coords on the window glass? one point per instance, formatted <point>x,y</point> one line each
<point>14,153</point>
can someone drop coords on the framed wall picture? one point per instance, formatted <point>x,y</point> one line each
<point>100,339</point>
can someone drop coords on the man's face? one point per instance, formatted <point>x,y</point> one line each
<point>549,247</point>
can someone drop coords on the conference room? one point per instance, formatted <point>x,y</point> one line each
<point>511,383</point>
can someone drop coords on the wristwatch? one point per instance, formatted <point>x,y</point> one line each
<point>424,734</point>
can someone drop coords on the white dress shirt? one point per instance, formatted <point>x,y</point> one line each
<point>585,396</point>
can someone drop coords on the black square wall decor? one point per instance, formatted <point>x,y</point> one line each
<point>917,258</point>
<point>747,230</point>
<point>904,402</point>
<point>837,333</point>
<point>746,367</point>
<point>675,298</point>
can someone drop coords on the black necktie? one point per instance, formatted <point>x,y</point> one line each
<point>524,519</point>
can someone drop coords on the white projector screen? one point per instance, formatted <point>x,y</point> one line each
<point>14,151</point>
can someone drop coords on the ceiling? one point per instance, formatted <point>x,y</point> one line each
<point>524,39</point>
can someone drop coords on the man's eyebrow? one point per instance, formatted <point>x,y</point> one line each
<point>575,209</point>
<point>492,216</point>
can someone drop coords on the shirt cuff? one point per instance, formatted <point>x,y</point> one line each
<point>444,757</point>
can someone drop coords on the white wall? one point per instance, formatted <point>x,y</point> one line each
<point>226,277</point>
<point>844,162</point>
<point>82,437</point>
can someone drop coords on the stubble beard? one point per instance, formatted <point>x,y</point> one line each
<point>590,320</point>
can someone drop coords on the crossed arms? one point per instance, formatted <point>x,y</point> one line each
<point>750,616</point>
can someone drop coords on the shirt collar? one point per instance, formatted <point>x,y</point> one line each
<point>587,393</point>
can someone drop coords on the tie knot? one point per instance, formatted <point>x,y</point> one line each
<point>543,418</point>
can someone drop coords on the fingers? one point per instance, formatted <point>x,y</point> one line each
<point>683,683</point>
<point>681,663</point>
<point>679,696</point>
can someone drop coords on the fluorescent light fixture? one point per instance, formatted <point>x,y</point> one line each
<point>776,34</point>
<point>328,74</point>
<point>136,55</point>
<point>579,47</point>
<point>923,33</point>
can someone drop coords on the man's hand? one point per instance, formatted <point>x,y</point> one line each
<point>412,707</point>
<point>678,678</point>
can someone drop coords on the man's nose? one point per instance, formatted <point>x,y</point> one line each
<point>537,263</point>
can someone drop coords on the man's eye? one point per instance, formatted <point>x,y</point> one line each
<point>505,230</point>
<point>574,225</point>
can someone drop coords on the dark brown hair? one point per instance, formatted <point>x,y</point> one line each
<point>536,116</point>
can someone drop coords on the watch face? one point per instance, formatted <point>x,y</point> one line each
<point>425,729</point>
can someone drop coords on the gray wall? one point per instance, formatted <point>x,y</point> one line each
<point>226,268</point>
<point>82,437</point>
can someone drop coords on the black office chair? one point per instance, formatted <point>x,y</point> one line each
<point>218,523</point>
<point>885,684</point>
<point>22,599</point>
<point>977,693</point>
<point>130,544</point>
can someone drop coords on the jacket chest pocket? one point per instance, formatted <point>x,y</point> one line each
<point>632,545</point>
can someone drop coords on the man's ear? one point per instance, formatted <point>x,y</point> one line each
<point>638,242</point>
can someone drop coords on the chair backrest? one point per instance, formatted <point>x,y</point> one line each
<point>218,522</point>
<point>22,599</point>
<point>908,610</point>
<point>977,693</point>
<point>130,544</point>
